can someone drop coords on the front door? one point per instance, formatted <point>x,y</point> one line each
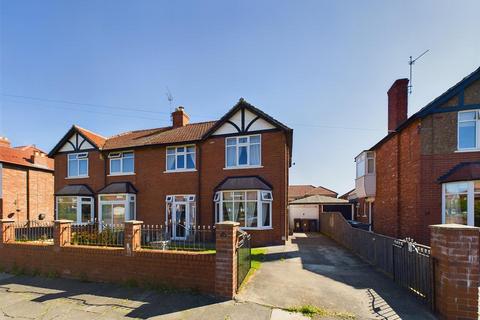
<point>180,221</point>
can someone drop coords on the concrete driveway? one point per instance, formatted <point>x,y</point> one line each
<point>312,269</point>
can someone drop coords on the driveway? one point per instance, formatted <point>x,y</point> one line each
<point>312,269</point>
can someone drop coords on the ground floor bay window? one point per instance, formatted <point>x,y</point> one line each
<point>461,203</point>
<point>251,208</point>
<point>116,208</point>
<point>75,208</point>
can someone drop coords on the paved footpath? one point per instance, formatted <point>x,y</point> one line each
<point>316,270</point>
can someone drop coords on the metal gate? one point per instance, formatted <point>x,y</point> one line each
<point>244,257</point>
<point>413,268</point>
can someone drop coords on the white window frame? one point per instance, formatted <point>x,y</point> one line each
<point>181,153</point>
<point>470,201</point>
<point>84,157</point>
<point>130,197</point>
<point>477,130</point>
<point>115,156</point>
<point>80,201</point>
<point>237,154</point>
<point>364,157</point>
<point>218,204</point>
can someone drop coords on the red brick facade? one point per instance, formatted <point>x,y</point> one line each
<point>154,183</point>
<point>409,163</point>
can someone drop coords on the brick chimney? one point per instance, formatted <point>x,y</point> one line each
<point>39,158</point>
<point>179,117</point>
<point>397,104</point>
<point>4,142</point>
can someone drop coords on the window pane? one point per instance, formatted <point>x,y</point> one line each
<point>118,213</point>
<point>73,168</point>
<point>456,208</point>
<point>360,168</point>
<point>252,214</point>
<point>231,141</point>
<point>242,155</point>
<point>107,213</point>
<point>181,161</point>
<point>239,195</point>
<point>457,187</point>
<point>67,208</point>
<point>171,162</point>
<point>191,149</point>
<point>477,211</point>
<point>227,195</point>
<point>83,167</point>
<point>467,134</point>
<point>462,116</point>
<point>132,210</point>
<point>251,195</point>
<point>255,139</point>
<point>370,165</point>
<point>243,140</point>
<point>113,197</point>
<point>115,165</point>
<point>231,156</point>
<point>181,149</point>
<point>128,154</point>
<point>86,212</point>
<point>191,160</point>
<point>227,211</point>
<point>128,165</point>
<point>170,150</point>
<point>255,154</point>
<point>266,214</point>
<point>240,213</point>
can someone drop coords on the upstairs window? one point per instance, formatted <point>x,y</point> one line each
<point>243,151</point>
<point>361,165</point>
<point>181,158</point>
<point>365,163</point>
<point>468,130</point>
<point>77,165</point>
<point>122,162</point>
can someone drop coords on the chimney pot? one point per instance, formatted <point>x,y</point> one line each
<point>179,117</point>
<point>4,142</point>
<point>397,104</point>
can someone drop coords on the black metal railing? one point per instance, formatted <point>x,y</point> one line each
<point>178,237</point>
<point>33,231</point>
<point>244,256</point>
<point>413,268</point>
<point>98,234</point>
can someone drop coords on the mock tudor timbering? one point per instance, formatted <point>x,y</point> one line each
<point>150,174</point>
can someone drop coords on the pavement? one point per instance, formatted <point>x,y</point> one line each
<point>314,270</point>
<point>308,270</point>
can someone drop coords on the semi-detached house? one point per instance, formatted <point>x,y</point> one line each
<point>187,174</point>
<point>426,170</point>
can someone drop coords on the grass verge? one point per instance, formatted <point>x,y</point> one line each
<point>311,311</point>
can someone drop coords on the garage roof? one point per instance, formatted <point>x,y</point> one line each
<point>318,199</point>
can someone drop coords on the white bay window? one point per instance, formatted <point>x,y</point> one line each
<point>461,203</point>
<point>76,208</point>
<point>116,208</point>
<point>251,208</point>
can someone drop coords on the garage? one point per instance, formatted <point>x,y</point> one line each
<point>303,214</point>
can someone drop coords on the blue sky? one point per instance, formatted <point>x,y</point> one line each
<point>321,67</point>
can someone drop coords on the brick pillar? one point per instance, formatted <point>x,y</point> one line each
<point>226,259</point>
<point>133,239</point>
<point>456,251</point>
<point>7,230</point>
<point>62,233</point>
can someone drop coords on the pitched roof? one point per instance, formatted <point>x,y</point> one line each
<point>303,190</point>
<point>347,194</point>
<point>243,183</point>
<point>434,106</point>
<point>464,171</point>
<point>118,187</point>
<point>94,138</point>
<point>22,156</point>
<point>190,132</point>
<point>75,190</point>
<point>319,199</point>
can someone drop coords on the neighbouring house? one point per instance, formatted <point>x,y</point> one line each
<point>304,214</point>
<point>305,190</point>
<point>181,176</point>
<point>26,183</point>
<point>426,170</point>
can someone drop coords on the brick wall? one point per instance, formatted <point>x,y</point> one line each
<point>213,273</point>
<point>456,251</point>
<point>154,184</point>
<point>27,193</point>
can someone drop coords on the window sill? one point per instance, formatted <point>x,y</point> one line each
<point>121,174</point>
<point>242,167</point>
<point>467,150</point>
<point>81,177</point>
<point>182,170</point>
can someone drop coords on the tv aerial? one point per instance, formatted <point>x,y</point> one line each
<point>169,98</point>
<point>411,62</point>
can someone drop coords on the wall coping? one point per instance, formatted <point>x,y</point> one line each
<point>7,220</point>
<point>63,221</point>
<point>228,223</point>
<point>134,222</point>
<point>453,226</point>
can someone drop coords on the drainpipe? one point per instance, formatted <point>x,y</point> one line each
<point>398,187</point>
<point>28,195</point>
<point>199,187</point>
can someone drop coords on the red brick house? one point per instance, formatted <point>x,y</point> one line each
<point>26,183</point>
<point>427,169</point>
<point>235,168</point>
